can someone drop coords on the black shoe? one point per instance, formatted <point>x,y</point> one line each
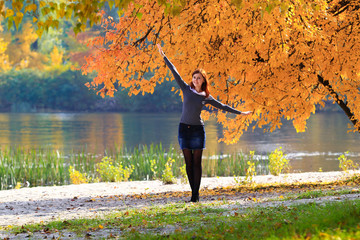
<point>195,198</point>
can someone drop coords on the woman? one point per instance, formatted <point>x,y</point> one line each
<point>191,128</point>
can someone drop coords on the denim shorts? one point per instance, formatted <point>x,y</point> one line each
<point>191,136</point>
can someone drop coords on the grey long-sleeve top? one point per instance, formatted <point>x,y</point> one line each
<point>193,102</point>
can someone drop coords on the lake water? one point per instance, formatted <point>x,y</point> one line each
<point>320,146</point>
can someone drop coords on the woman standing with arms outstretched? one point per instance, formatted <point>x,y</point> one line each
<point>191,128</point>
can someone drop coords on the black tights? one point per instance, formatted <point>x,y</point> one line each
<point>193,170</point>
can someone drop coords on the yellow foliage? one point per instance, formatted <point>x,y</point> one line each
<point>154,167</point>
<point>20,53</point>
<point>346,164</point>
<point>113,173</point>
<point>56,56</point>
<point>277,162</point>
<point>183,174</point>
<point>56,64</point>
<point>4,58</point>
<point>168,176</point>
<point>77,177</point>
<point>250,171</point>
<point>18,185</point>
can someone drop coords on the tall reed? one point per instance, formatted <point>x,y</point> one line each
<point>47,167</point>
<point>140,157</point>
<point>232,164</point>
<point>39,167</point>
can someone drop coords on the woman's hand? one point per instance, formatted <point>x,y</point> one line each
<point>160,50</point>
<point>246,113</point>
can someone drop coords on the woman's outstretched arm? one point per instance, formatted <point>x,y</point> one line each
<point>182,84</point>
<point>225,107</point>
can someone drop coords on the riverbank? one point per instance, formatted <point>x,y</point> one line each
<point>42,204</point>
<point>99,133</point>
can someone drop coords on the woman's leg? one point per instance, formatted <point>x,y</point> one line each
<point>188,156</point>
<point>197,171</point>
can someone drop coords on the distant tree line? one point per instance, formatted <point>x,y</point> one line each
<point>29,90</point>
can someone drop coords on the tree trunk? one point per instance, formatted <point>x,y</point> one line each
<point>339,101</point>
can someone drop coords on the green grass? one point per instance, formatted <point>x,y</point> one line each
<point>46,167</point>
<point>319,193</point>
<point>335,220</point>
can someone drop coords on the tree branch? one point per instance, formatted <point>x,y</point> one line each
<point>140,40</point>
<point>339,101</point>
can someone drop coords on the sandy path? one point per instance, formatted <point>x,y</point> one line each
<point>34,205</point>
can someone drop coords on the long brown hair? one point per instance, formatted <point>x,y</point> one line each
<point>205,84</point>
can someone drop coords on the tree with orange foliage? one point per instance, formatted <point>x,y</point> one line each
<point>280,59</point>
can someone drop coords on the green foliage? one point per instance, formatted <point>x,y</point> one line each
<point>278,162</point>
<point>111,173</point>
<point>346,164</point>
<point>39,91</point>
<point>31,91</point>
<point>168,176</point>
